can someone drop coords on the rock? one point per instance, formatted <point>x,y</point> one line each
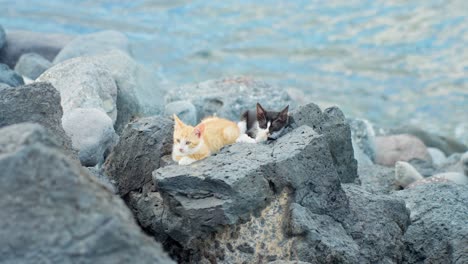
<point>93,44</point>
<point>20,42</point>
<point>83,84</point>
<point>92,134</point>
<point>452,164</point>
<point>338,135</point>
<point>447,145</point>
<point>321,238</point>
<point>54,211</point>
<point>377,223</point>
<point>185,110</point>
<point>458,178</point>
<point>138,90</point>
<point>333,125</point>
<point>425,167</point>
<point>4,86</point>
<point>404,147</point>
<point>287,262</point>
<point>377,178</point>
<point>9,76</point>
<point>438,157</point>
<point>439,231</point>
<point>2,37</point>
<point>363,137</point>
<point>38,103</point>
<point>26,134</point>
<point>430,180</point>
<point>142,145</point>
<point>103,178</point>
<point>405,174</point>
<point>230,97</point>
<point>251,174</point>
<point>32,65</point>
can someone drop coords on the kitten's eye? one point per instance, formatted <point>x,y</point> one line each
<point>187,143</point>
<point>178,140</point>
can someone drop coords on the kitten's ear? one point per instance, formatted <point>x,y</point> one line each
<point>261,113</point>
<point>178,123</point>
<point>198,130</point>
<point>283,116</point>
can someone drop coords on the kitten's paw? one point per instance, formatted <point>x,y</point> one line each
<point>186,161</point>
<point>244,138</point>
<point>262,136</point>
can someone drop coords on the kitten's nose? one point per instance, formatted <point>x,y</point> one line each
<point>181,150</point>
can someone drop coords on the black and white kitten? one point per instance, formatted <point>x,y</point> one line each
<point>261,125</point>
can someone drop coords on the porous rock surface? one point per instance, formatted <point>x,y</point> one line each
<point>331,123</point>
<point>83,84</point>
<point>142,145</point>
<point>38,103</point>
<point>439,229</point>
<point>53,211</point>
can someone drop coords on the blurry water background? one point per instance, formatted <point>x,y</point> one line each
<point>391,61</point>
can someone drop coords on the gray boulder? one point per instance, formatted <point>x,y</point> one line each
<point>142,145</point>
<point>38,103</point>
<point>377,224</point>
<point>185,110</point>
<point>93,44</point>
<point>2,37</point>
<point>54,211</point>
<point>32,65</point>
<point>139,93</point>
<point>20,42</point>
<point>103,178</point>
<point>92,134</point>
<point>401,147</point>
<point>230,97</point>
<point>83,84</point>
<point>377,178</point>
<point>331,123</point>
<point>9,76</point>
<point>439,229</point>
<point>438,157</point>
<point>448,145</point>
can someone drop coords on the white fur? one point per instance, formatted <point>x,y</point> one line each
<point>244,138</point>
<point>262,134</point>
<point>242,125</point>
<point>186,161</point>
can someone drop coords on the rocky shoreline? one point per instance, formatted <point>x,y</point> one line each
<point>85,143</point>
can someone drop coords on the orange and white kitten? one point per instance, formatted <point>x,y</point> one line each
<point>196,143</point>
